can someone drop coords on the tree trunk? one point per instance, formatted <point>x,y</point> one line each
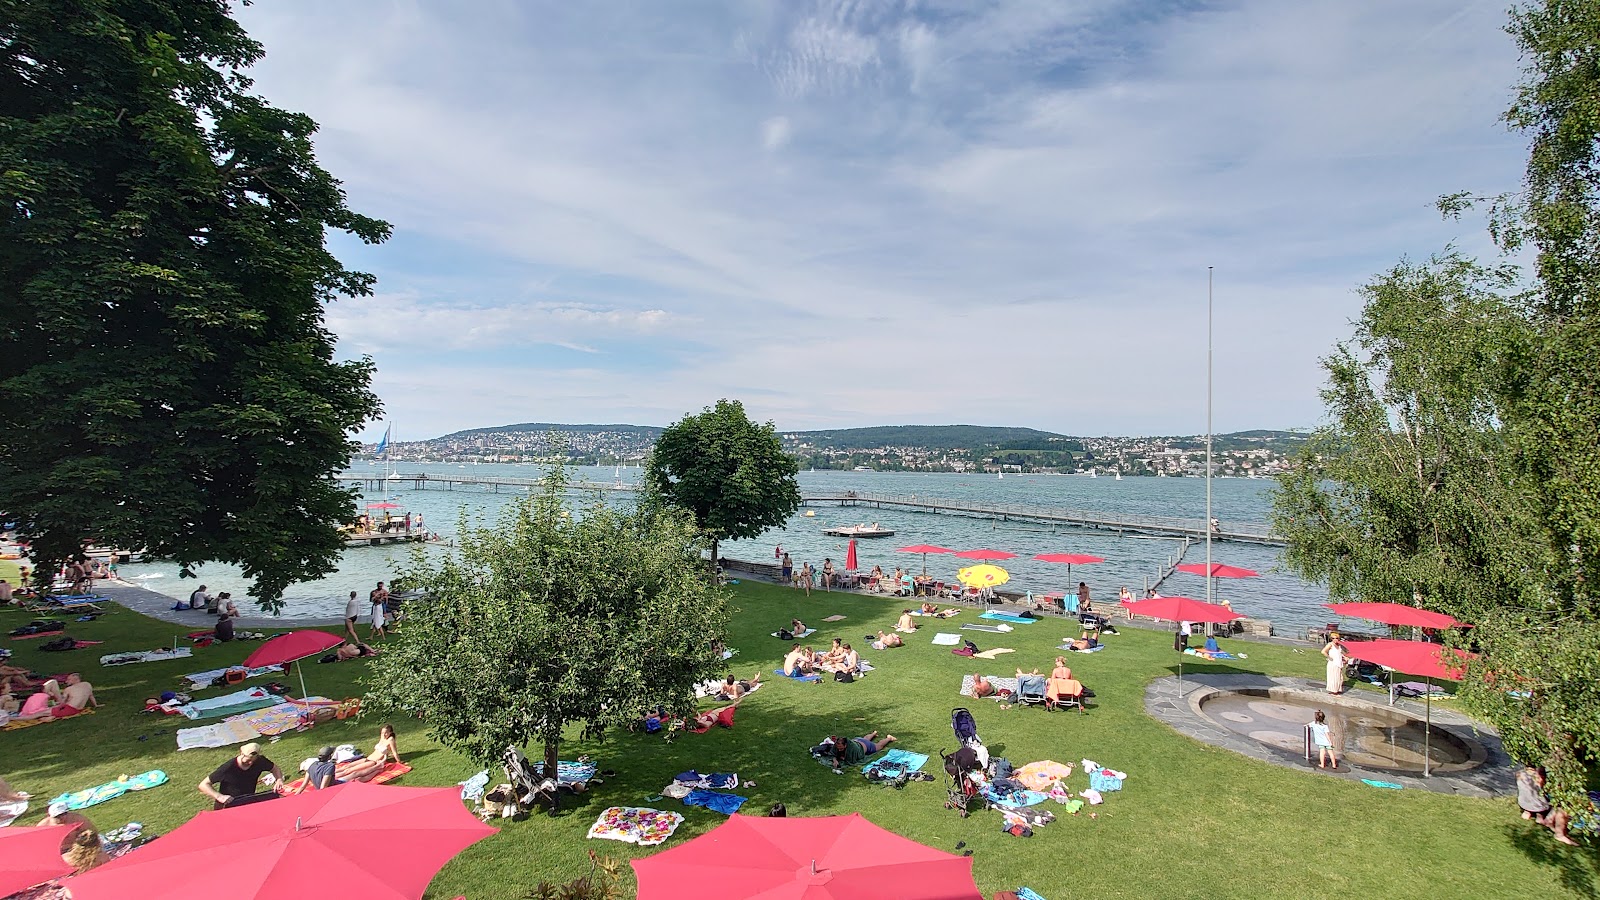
<point>550,757</point>
<point>714,558</point>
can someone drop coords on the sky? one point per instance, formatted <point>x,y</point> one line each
<point>847,213</point>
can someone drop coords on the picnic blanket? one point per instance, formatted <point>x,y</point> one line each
<point>390,771</point>
<point>807,633</point>
<point>946,639</point>
<point>140,656</point>
<point>1211,654</point>
<point>1072,649</point>
<point>635,825</point>
<point>992,653</point>
<point>228,704</point>
<point>568,772</point>
<point>711,687</point>
<point>111,790</point>
<point>1042,775</point>
<point>978,626</point>
<point>281,717</point>
<point>897,759</point>
<point>999,683</point>
<point>200,680</point>
<point>1007,617</point>
<point>797,677</point>
<point>15,724</point>
<point>221,734</point>
<point>715,800</point>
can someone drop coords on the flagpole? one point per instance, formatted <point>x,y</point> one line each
<point>1208,436</point>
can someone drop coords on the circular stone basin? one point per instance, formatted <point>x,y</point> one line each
<point>1369,735</point>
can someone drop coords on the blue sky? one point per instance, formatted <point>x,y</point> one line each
<point>855,213</point>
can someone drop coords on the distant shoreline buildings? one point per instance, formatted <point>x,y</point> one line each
<point>931,448</point>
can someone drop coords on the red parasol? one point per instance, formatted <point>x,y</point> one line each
<point>1071,559</point>
<point>1397,614</point>
<point>850,556</point>
<point>825,858</point>
<point>30,856</point>
<point>299,846</point>
<point>383,506</point>
<point>1415,658</point>
<point>986,554</point>
<point>1217,570</point>
<point>1181,609</point>
<point>925,549</point>
<point>286,648</point>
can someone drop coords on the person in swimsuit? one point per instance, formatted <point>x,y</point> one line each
<point>827,573</point>
<point>382,753</point>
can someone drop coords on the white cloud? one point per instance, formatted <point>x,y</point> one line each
<point>775,133</point>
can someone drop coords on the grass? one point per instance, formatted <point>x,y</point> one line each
<point>1192,820</point>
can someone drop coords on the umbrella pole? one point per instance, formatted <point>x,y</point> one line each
<point>301,671</point>
<point>1427,730</point>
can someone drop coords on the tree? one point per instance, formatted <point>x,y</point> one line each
<point>168,383</point>
<point>732,474</point>
<point>555,618</point>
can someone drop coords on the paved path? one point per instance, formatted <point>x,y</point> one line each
<point>159,606</point>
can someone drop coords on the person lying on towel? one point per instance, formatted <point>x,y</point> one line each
<point>885,641</point>
<point>732,689</point>
<point>981,686</point>
<point>849,751</point>
<point>1085,641</point>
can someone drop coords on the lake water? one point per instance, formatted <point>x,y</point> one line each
<point>1129,559</point>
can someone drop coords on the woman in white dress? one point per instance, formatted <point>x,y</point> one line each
<point>1335,653</point>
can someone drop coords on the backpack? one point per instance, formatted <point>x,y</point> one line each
<point>785,634</point>
<point>60,643</point>
<point>844,677</point>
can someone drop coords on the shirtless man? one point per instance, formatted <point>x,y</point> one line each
<point>889,640</point>
<point>77,697</point>
<point>981,686</point>
<point>906,623</point>
<point>734,689</point>
<point>794,662</point>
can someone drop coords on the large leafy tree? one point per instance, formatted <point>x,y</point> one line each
<point>168,380</point>
<point>554,618</point>
<point>731,473</point>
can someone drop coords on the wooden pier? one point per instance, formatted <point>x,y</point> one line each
<point>1161,526</point>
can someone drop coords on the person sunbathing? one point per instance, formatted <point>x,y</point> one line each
<point>981,687</point>
<point>39,705</point>
<point>382,752</point>
<point>352,651</point>
<point>77,697</point>
<point>319,772</point>
<point>930,609</point>
<point>907,622</point>
<point>848,751</point>
<point>835,653</point>
<point>886,641</point>
<point>734,690</point>
<point>1061,670</point>
<point>797,627</point>
<point>1086,641</point>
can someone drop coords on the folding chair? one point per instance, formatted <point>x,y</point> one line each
<point>1061,693</point>
<point>1032,690</point>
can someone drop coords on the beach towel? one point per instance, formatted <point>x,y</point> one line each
<point>227,704</point>
<point>945,639</point>
<point>1013,800</point>
<point>834,619</point>
<point>1383,784</point>
<point>111,790</point>
<point>200,680</point>
<point>282,717</point>
<point>141,656</point>
<point>991,654</point>
<point>896,760</point>
<point>15,724</point>
<point>222,734</point>
<point>568,772</point>
<point>38,634</point>
<point>1007,617</point>
<point>390,771</point>
<point>711,687</point>
<point>635,825</point>
<point>797,677</point>
<point>717,802</point>
<point>1071,649</point>
<point>807,633</point>
<point>1211,654</point>
<point>1027,894</point>
<point>472,789</point>
<point>1042,775</point>
<point>1000,684</point>
<point>722,781</point>
<point>978,626</point>
<point>10,810</point>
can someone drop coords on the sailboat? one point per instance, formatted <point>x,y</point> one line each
<point>1119,475</point>
<point>1002,475</point>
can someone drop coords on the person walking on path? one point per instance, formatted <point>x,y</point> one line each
<point>352,612</point>
<point>1334,651</point>
<point>379,598</point>
<point>1322,739</point>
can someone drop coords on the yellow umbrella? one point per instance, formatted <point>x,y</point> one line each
<point>983,576</point>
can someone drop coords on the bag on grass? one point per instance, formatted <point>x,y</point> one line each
<point>844,677</point>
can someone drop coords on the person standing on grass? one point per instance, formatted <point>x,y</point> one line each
<point>1322,738</point>
<point>352,612</point>
<point>787,568</point>
<point>379,598</point>
<point>827,573</point>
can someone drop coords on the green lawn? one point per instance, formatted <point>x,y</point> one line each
<point>1192,820</point>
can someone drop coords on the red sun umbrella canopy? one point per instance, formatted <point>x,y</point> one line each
<point>1071,559</point>
<point>383,506</point>
<point>1413,657</point>
<point>1396,614</point>
<point>986,554</point>
<point>30,856</point>
<point>376,842</point>
<point>826,858</point>
<point>850,556</point>
<point>925,549</point>
<point>1181,609</point>
<point>1217,570</point>
<point>286,648</point>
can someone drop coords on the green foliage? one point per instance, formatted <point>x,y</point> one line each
<point>554,618</point>
<point>729,472</point>
<point>599,884</point>
<point>168,380</point>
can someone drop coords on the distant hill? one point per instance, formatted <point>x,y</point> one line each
<point>650,431</point>
<point>931,437</point>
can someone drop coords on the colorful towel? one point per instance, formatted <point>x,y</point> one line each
<point>14,724</point>
<point>797,677</point>
<point>1007,617</point>
<point>635,825</point>
<point>897,759</point>
<point>390,771</point>
<point>200,680</point>
<point>991,654</point>
<point>141,656</point>
<point>807,633</point>
<point>575,772</point>
<point>722,781</point>
<point>717,802</point>
<point>1013,800</point>
<point>111,790</point>
<point>945,639</point>
<point>1210,654</point>
<point>1042,775</point>
<point>978,626</point>
<point>1027,894</point>
<point>282,717</point>
<point>1072,649</point>
<point>221,734</point>
<point>227,704</point>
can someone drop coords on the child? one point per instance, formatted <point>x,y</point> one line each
<point>1323,738</point>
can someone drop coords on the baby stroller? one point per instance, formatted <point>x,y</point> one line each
<point>529,785</point>
<point>964,769</point>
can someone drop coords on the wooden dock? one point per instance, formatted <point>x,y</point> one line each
<point>1161,526</point>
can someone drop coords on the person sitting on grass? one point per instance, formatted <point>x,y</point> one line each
<point>797,627</point>
<point>834,654</point>
<point>929,609</point>
<point>40,704</point>
<point>907,623</point>
<point>319,772</point>
<point>885,641</point>
<point>848,660</point>
<point>849,751</point>
<point>794,662</point>
<point>382,752</point>
<point>75,698</point>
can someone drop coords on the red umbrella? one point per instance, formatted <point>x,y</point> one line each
<point>1181,609</point>
<point>826,858</point>
<point>1397,614</point>
<point>1217,570</point>
<point>850,556</point>
<point>986,554</point>
<point>286,648</point>
<point>1071,559</point>
<point>375,842</point>
<point>1415,658</point>
<point>925,549</point>
<point>383,506</point>
<point>30,856</point>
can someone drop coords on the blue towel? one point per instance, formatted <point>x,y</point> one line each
<point>575,772</point>
<point>1383,784</point>
<point>1027,894</point>
<point>1007,617</point>
<point>1090,650</point>
<point>797,677</point>
<point>897,758</point>
<point>1015,799</point>
<point>722,803</point>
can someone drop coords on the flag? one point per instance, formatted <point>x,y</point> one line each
<point>383,444</point>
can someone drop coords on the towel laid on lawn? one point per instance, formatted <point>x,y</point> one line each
<point>201,680</point>
<point>14,724</point>
<point>711,687</point>
<point>946,639</point>
<point>10,810</point>
<point>807,633</point>
<point>390,771</point>
<point>977,626</point>
<point>111,790</point>
<point>635,825</point>
<point>1073,649</point>
<point>1007,617</point>
<point>142,656</point>
<point>715,801</point>
<point>897,759</point>
<point>1015,799</point>
<point>222,734</point>
<point>834,619</point>
<point>228,704</point>
<point>1009,684</point>
<point>282,717</point>
<point>991,654</point>
<point>797,677</point>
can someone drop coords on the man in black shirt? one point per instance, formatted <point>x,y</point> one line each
<point>235,780</point>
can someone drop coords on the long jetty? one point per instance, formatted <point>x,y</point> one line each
<point>1162,526</point>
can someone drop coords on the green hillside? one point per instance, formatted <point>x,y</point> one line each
<point>932,437</point>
